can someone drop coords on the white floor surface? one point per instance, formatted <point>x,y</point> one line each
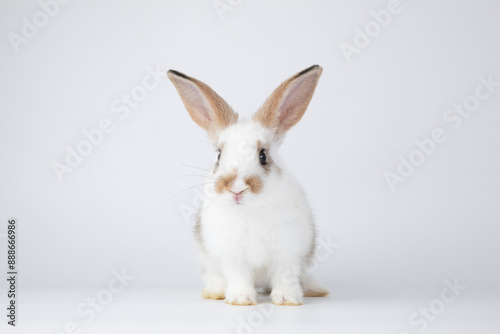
<point>183,311</point>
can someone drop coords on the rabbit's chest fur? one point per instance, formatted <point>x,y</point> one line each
<point>260,234</point>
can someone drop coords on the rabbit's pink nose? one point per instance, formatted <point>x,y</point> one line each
<point>237,196</point>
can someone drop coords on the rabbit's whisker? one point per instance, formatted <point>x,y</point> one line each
<point>182,191</point>
<point>191,175</point>
<point>186,165</point>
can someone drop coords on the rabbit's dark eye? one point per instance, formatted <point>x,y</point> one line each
<point>218,156</point>
<point>262,157</point>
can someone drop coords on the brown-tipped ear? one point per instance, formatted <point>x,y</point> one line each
<point>205,106</point>
<point>288,103</point>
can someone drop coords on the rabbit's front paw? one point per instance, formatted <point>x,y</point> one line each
<point>291,298</point>
<point>244,299</point>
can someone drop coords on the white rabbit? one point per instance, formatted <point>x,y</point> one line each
<point>256,229</point>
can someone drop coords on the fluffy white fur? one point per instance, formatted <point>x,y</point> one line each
<point>267,239</point>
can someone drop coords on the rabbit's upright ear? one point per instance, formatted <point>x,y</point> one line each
<point>288,103</point>
<point>205,106</point>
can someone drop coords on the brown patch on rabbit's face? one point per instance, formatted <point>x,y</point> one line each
<point>254,182</point>
<point>225,182</point>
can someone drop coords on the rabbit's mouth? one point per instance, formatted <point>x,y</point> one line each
<point>237,197</point>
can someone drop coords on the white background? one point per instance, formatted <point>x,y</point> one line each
<point>122,207</point>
